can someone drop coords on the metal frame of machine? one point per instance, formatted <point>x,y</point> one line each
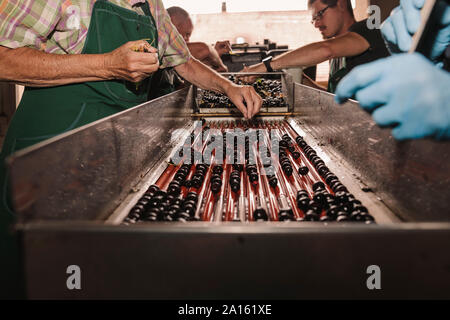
<point>71,191</point>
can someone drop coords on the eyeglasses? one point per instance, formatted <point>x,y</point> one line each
<point>319,14</point>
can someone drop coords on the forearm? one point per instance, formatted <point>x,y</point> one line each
<point>244,98</point>
<point>308,55</point>
<point>34,68</point>
<point>202,76</point>
<point>206,54</point>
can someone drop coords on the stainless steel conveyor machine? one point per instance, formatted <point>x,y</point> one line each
<point>72,193</point>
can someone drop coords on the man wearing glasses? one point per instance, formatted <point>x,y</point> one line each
<point>347,43</point>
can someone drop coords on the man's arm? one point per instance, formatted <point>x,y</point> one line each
<point>307,81</point>
<point>31,67</point>
<point>244,97</point>
<point>347,45</point>
<point>207,54</point>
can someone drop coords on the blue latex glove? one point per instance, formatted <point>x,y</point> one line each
<point>405,21</point>
<point>405,91</point>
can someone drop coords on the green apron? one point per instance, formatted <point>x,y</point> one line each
<point>338,70</point>
<point>46,112</point>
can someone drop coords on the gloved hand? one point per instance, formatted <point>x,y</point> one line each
<point>405,21</point>
<point>405,91</point>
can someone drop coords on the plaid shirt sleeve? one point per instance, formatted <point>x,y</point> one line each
<point>27,23</point>
<point>171,45</point>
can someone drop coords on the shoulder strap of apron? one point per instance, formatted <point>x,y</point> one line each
<point>145,7</point>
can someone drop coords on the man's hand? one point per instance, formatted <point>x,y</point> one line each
<point>134,61</point>
<point>222,47</point>
<point>245,98</point>
<point>413,100</point>
<point>257,68</point>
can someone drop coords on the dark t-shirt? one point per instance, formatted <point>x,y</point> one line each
<point>377,48</point>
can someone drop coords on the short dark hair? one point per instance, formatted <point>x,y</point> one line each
<point>173,11</point>
<point>332,3</point>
